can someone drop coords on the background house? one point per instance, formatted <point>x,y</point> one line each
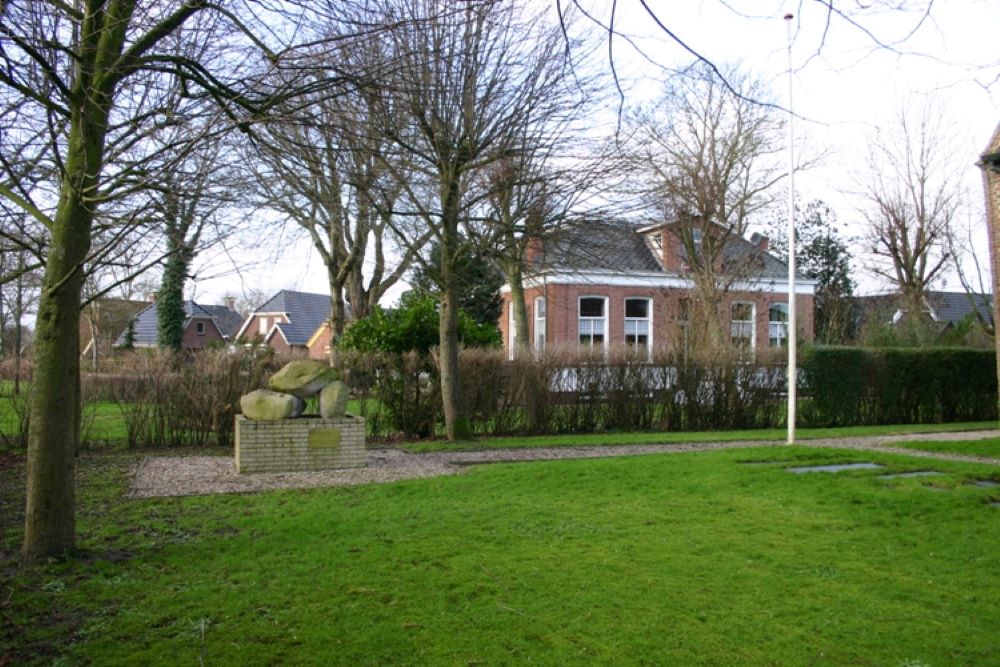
<point>942,311</point>
<point>607,284</point>
<point>102,322</point>
<point>291,323</point>
<point>203,324</point>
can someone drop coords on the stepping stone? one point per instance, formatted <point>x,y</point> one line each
<point>985,483</point>
<point>835,467</point>
<point>918,473</point>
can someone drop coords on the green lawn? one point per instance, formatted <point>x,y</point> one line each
<point>989,447</point>
<point>599,439</point>
<point>681,559</point>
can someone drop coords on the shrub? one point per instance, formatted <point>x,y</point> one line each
<point>850,386</point>
<point>413,327</point>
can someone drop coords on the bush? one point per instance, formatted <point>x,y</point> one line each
<point>859,386</point>
<point>169,399</point>
<point>413,327</point>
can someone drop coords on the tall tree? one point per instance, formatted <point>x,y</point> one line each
<point>910,189</point>
<point>464,81</point>
<point>479,283</point>
<point>87,79</point>
<point>708,148</point>
<point>321,166</point>
<point>822,255</point>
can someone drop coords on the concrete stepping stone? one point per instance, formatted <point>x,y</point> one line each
<point>917,473</point>
<point>839,467</point>
<point>985,483</point>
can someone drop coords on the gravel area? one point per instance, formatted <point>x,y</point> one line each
<point>205,475</point>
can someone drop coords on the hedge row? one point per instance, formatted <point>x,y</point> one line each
<point>858,386</point>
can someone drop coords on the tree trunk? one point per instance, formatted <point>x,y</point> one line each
<point>170,302</point>
<point>456,425</point>
<point>54,427</point>
<point>338,316</point>
<point>522,344</point>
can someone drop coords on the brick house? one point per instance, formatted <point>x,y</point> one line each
<point>203,325</point>
<point>610,284</point>
<point>295,323</point>
<point>990,164</point>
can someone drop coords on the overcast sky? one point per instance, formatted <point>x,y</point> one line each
<point>843,83</point>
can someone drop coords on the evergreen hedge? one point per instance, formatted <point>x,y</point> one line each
<point>864,386</point>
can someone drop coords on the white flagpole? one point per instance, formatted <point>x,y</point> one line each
<point>792,332</point>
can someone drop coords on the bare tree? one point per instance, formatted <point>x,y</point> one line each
<point>464,81</point>
<point>83,83</point>
<point>709,154</point>
<point>910,190</point>
<point>322,165</point>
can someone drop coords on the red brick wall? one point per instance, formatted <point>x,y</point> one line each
<point>193,341</point>
<point>991,188</point>
<point>562,312</point>
<point>320,348</point>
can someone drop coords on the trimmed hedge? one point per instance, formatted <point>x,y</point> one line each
<point>865,386</point>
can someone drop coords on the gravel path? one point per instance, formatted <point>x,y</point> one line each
<point>205,475</point>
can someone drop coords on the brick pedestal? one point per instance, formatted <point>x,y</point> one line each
<point>300,444</point>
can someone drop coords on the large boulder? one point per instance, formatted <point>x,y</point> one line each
<point>333,400</point>
<point>303,377</point>
<point>264,405</point>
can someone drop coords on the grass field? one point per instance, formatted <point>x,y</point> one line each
<point>686,559</point>
<point>599,439</point>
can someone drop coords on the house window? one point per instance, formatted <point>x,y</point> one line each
<point>539,324</point>
<point>593,321</point>
<point>777,325</point>
<point>637,329</point>
<point>511,332</point>
<point>657,240</point>
<point>262,326</point>
<point>741,329</point>
<point>199,328</point>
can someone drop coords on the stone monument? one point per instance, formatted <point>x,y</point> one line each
<point>272,434</point>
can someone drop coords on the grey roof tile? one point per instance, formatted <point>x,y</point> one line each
<point>306,311</point>
<point>146,328</point>
<point>620,247</point>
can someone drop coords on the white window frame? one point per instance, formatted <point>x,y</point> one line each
<point>580,319</point>
<point>777,326</point>
<point>540,321</point>
<point>752,322</point>
<point>199,328</point>
<point>647,321</point>
<point>262,325</point>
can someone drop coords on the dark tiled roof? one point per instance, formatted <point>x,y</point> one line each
<point>228,321</point>
<point>620,247</point>
<point>146,328</point>
<point>611,246</point>
<point>306,312</point>
<point>953,307</point>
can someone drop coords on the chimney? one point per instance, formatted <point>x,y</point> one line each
<point>534,250</point>
<point>760,241</point>
<point>152,297</point>
<point>230,302</point>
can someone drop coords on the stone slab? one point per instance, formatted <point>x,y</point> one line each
<point>839,467</point>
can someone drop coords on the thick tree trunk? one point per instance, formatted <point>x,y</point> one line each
<point>522,343</point>
<point>170,302</point>
<point>456,424</point>
<point>54,427</point>
<point>338,317</point>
